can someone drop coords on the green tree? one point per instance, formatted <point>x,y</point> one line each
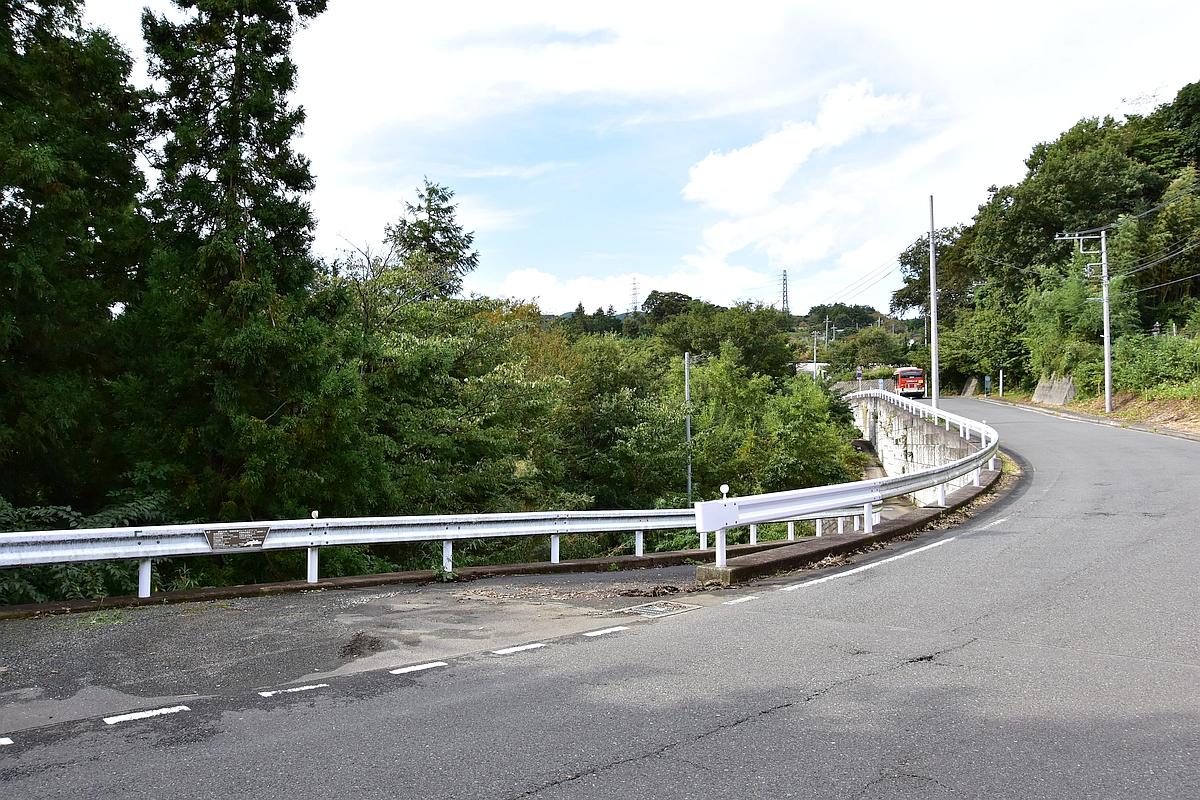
<point>245,405</point>
<point>70,241</point>
<point>433,248</point>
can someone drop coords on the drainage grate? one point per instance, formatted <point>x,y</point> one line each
<point>663,608</point>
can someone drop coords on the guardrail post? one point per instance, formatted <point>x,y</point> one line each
<point>554,548</point>
<point>144,577</point>
<point>721,547</point>
<point>817,525</point>
<point>856,523</point>
<point>311,576</point>
<point>947,423</point>
<point>868,518</point>
<point>703,540</point>
<point>791,530</point>
<point>941,495</point>
<point>753,534</point>
<point>448,556</point>
<point>975,477</point>
<point>639,544</point>
<point>841,525</point>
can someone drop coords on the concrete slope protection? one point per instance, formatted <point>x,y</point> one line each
<point>1046,649</point>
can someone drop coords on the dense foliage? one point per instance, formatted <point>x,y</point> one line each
<point>171,350</point>
<point>1014,298</point>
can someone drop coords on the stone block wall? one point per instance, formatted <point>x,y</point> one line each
<point>906,443</point>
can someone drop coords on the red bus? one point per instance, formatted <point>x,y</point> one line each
<point>910,381</point>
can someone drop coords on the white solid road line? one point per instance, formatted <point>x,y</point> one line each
<point>308,688</point>
<point>793,587</point>
<point>417,667</point>
<point>5,740</point>
<point>506,650</point>
<point>740,600</point>
<point>604,631</point>
<point>158,712</point>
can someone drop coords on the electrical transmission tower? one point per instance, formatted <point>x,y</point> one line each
<point>633,298</point>
<point>784,305</point>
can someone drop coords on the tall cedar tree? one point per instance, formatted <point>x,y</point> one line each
<point>70,125</point>
<point>240,393</point>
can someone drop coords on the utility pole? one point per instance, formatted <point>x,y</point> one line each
<point>933,305</point>
<point>826,327</point>
<point>1079,238</point>
<point>687,399</point>
<point>814,355</point>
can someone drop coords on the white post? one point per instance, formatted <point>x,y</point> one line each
<point>753,534</point>
<point>554,544</point>
<point>975,477</point>
<point>144,577</point>
<point>448,556</point>
<point>639,544</point>
<point>721,547</point>
<point>841,525</point>
<point>941,495</point>
<point>855,518</point>
<point>868,518</point>
<point>947,423</point>
<point>313,568</point>
<point>791,530</point>
<point>817,526</point>
<point>703,540</point>
<point>1002,383</point>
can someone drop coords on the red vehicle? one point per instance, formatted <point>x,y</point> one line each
<point>910,381</point>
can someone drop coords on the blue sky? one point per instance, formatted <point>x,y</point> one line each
<point>701,147</point>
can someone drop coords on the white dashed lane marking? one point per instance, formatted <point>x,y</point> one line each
<point>519,648</point>
<point>417,667</point>
<point>158,712</point>
<point>604,631</point>
<point>740,600</point>
<point>880,563</point>
<point>308,688</point>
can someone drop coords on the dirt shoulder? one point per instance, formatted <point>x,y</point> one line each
<point>1175,417</point>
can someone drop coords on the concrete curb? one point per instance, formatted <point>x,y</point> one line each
<point>622,563</point>
<point>814,550</point>
<point>1174,433</point>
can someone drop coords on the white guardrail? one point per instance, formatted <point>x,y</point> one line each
<point>720,515</point>
<point>840,501</point>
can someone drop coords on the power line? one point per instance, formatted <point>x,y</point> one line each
<point>1160,285</point>
<point>862,289</point>
<point>1162,256</point>
<point>890,265</point>
<point>1153,209</point>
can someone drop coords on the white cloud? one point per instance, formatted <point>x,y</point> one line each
<point>393,89</point>
<point>746,180</point>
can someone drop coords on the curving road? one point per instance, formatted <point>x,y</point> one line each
<point>1047,649</point>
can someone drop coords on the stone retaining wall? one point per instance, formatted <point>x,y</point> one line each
<point>906,443</point>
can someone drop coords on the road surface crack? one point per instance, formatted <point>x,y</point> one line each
<point>726,726</point>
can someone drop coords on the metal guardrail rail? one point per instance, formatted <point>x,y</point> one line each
<point>719,515</point>
<point>839,501</point>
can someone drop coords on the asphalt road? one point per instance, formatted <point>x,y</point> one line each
<point>1047,649</point>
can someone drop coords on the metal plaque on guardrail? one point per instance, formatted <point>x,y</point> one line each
<point>237,538</point>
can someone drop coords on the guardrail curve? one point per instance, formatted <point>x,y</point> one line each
<point>718,515</point>
<point>146,543</point>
